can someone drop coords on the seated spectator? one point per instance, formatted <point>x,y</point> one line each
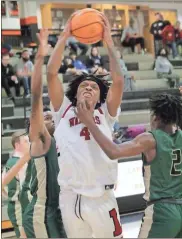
<point>6,48</point>
<point>178,36</point>
<point>129,82</point>
<point>164,69</point>
<point>8,77</point>
<point>94,59</point>
<point>131,38</point>
<point>75,45</point>
<point>71,70</point>
<point>24,71</point>
<point>77,63</point>
<point>168,37</point>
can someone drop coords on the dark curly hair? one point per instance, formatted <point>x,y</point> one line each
<point>168,108</point>
<point>74,84</point>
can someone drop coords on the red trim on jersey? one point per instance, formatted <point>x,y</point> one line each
<point>100,111</point>
<point>66,110</point>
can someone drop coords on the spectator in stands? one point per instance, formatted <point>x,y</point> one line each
<point>95,63</point>
<point>94,58</point>
<point>8,77</point>
<point>63,66</point>
<point>178,37</point>
<point>6,48</point>
<point>156,31</point>
<point>24,71</point>
<point>164,69</point>
<point>77,63</point>
<point>129,82</point>
<point>75,45</point>
<point>131,38</point>
<point>71,70</point>
<point>168,38</point>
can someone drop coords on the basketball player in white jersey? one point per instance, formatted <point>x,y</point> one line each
<point>87,176</point>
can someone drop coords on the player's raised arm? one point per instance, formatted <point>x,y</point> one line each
<point>140,144</point>
<point>37,126</point>
<point>115,93</point>
<point>13,172</point>
<point>55,87</point>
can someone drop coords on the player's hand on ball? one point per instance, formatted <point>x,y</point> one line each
<point>84,112</point>
<point>67,28</point>
<point>43,42</point>
<point>107,30</point>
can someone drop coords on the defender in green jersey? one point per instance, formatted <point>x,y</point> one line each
<point>16,206</point>
<point>162,150</point>
<point>42,218</point>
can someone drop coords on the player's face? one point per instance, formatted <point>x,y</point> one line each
<point>49,123</point>
<point>89,90</point>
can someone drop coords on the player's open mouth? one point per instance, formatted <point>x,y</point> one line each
<point>87,94</point>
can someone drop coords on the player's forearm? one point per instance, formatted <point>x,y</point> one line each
<point>55,59</point>
<point>115,68</point>
<point>110,148</point>
<point>14,170</point>
<point>36,81</point>
<point>116,90</point>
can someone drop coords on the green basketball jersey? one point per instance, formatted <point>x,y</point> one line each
<point>163,176</point>
<point>45,169</point>
<point>14,185</point>
<point>25,195</point>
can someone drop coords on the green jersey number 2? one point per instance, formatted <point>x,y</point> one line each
<point>176,160</point>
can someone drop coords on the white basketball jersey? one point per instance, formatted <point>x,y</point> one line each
<point>84,167</point>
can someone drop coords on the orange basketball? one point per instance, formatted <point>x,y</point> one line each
<point>86,26</point>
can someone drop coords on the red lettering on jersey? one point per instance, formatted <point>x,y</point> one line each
<point>97,120</point>
<point>118,228</point>
<point>100,111</point>
<point>85,133</point>
<point>77,121</point>
<point>72,122</point>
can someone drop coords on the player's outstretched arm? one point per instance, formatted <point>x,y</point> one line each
<point>37,126</point>
<point>140,144</point>
<point>115,93</point>
<point>13,172</point>
<point>55,87</point>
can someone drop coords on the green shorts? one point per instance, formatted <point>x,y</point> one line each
<point>162,220</point>
<point>15,216</point>
<point>41,221</point>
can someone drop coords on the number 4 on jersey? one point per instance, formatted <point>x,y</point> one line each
<point>176,160</point>
<point>85,133</point>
